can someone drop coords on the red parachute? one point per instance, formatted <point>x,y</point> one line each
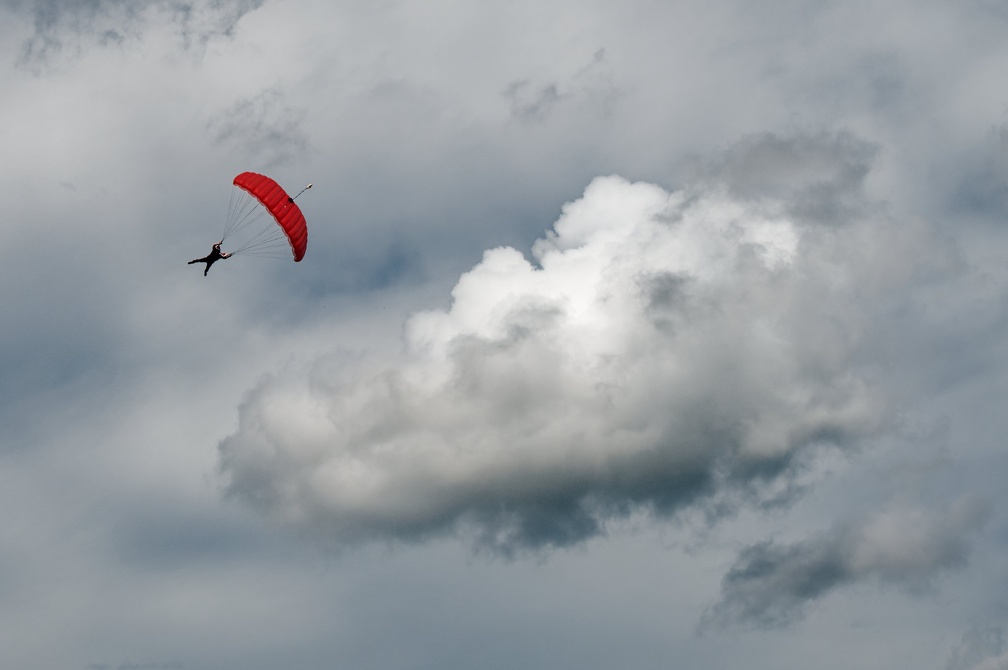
<point>259,195</point>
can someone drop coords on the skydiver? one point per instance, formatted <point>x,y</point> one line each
<point>215,255</point>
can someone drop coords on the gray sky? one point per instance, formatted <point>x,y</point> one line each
<point>636,335</point>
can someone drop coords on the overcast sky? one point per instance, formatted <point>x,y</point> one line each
<point>640,335</point>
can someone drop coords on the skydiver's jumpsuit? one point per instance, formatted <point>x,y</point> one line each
<point>215,255</point>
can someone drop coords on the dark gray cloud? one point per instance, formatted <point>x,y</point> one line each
<point>531,103</point>
<point>200,21</point>
<point>60,26</point>
<point>772,584</point>
<point>979,649</point>
<point>265,129</point>
<point>819,176</point>
<point>63,30</point>
<point>981,182</point>
<point>591,86</point>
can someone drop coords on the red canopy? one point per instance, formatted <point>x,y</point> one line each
<point>276,201</point>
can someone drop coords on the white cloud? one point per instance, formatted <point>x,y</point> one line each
<point>660,350</point>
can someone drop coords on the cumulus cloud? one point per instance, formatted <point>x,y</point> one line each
<point>661,351</point>
<point>771,584</point>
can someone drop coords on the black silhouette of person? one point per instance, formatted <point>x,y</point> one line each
<point>215,255</point>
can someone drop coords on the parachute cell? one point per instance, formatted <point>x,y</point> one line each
<point>281,207</point>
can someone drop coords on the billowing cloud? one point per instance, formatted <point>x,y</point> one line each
<point>662,351</point>
<point>771,584</point>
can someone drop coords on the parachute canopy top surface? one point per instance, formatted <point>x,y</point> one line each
<point>280,205</point>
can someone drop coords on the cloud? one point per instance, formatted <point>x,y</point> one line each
<point>199,22</point>
<point>771,584</point>
<point>661,352</point>
<point>981,185</point>
<point>993,663</point>
<point>591,85</point>
<point>69,28</point>
<point>980,649</point>
<point>818,177</point>
<point>264,126</point>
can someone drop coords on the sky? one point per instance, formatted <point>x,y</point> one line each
<point>642,335</point>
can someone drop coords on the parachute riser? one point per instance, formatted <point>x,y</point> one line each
<point>290,199</point>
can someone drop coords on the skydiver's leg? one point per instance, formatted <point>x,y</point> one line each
<point>207,269</point>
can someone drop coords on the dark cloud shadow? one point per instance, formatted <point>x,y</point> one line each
<point>64,29</point>
<point>263,128</point>
<point>771,585</point>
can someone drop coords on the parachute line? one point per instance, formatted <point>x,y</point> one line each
<point>243,213</point>
<point>284,232</point>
